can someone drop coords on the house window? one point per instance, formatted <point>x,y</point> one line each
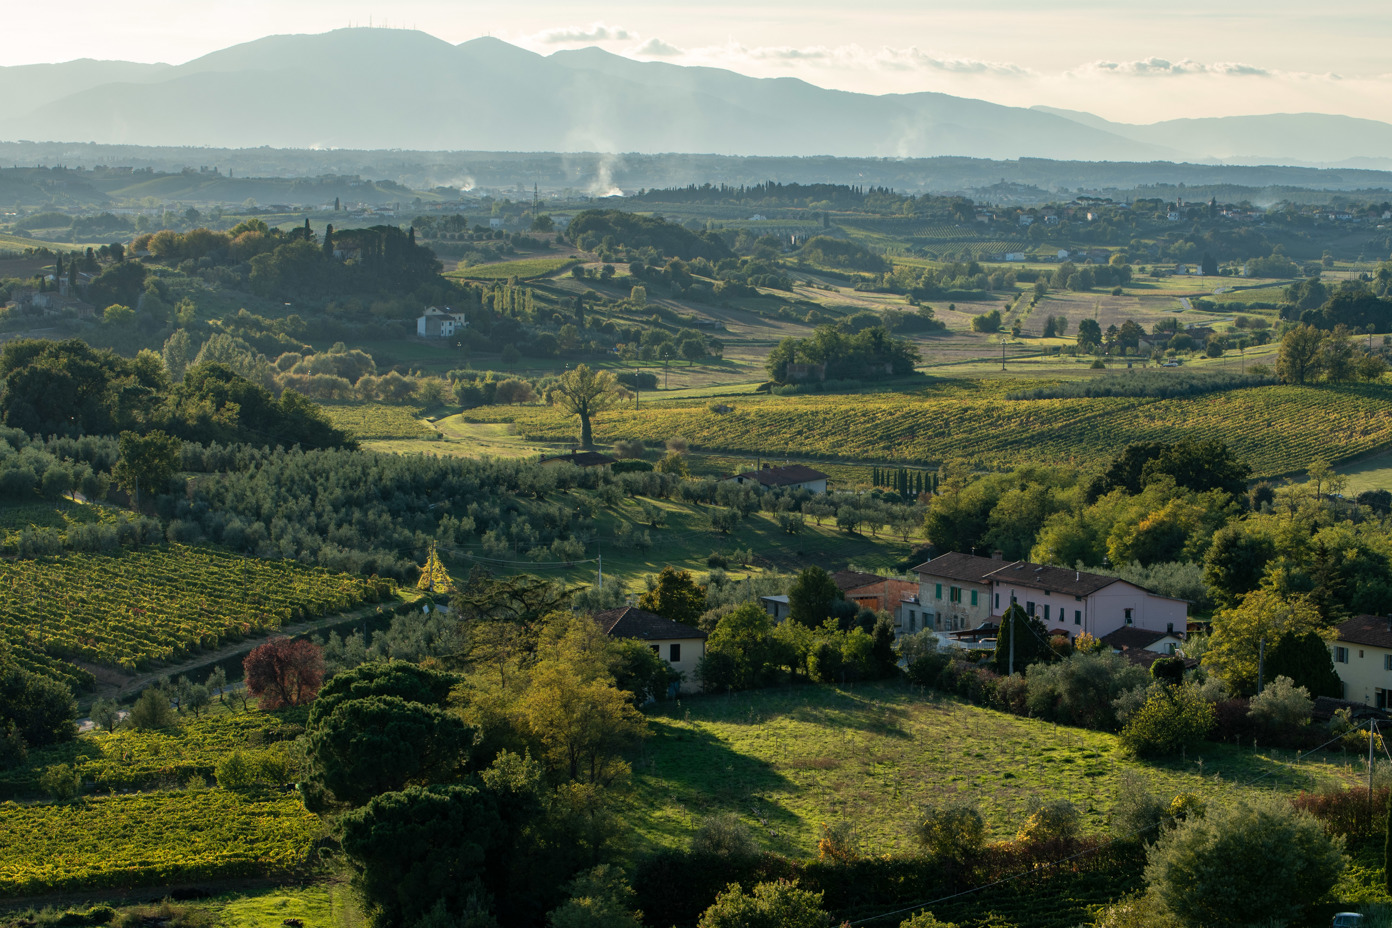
<point>1029,608</point>
<point>1387,662</point>
<point>1128,617</point>
<point>1046,612</point>
<point>1360,654</point>
<point>973,592</point>
<point>1340,655</point>
<point>912,622</point>
<point>674,653</point>
<point>1077,617</point>
<point>1169,628</point>
<point>938,595</point>
<point>1381,698</point>
<point>656,650</point>
<point>997,600</point>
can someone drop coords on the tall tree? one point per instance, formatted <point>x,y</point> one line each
<point>1299,358</point>
<point>585,393</point>
<point>282,672</point>
<point>150,460</point>
<point>811,597</point>
<point>675,596</point>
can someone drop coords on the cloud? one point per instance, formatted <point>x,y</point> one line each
<point>1163,67</point>
<point>856,56</point>
<point>595,32</point>
<point>655,48</point>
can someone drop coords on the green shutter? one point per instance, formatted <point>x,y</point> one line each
<point>973,597</point>
<point>938,595</point>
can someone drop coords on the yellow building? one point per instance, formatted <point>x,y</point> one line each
<point>1362,652</point>
<point>678,644</point>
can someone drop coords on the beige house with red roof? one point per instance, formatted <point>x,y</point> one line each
<point>680,645</point>
<point>1362,652</point>
<point>954,593</point>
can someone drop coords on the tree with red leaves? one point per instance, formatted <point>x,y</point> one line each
<point>282,672</point>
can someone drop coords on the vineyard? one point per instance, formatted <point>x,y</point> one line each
<point>151,839</point>
<point>133,759</point>
<point>1277,429</point>
<point>157,604</point>
<point>59,515</point>
<point>522,269</point>
<point>373,421</point>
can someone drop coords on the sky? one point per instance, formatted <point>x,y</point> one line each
<point>1126,60</point>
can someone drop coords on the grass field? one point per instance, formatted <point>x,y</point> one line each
<point>787,760</point>
<point>522,269</point>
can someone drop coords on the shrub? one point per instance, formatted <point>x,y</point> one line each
<point>724,835</point>
<point>781,904</point>
<point>151,710</point>
<point>1055,822</point>
<point>954,833</point>
<point>599,898</point>
<point>1256,860</point>
<point>1173,718</point>
<point>61,782</point>
<point>1281,704</point>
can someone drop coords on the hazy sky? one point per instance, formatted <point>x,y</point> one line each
<point>1132,60</point>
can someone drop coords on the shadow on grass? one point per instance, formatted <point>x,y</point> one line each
<point>684,774</point>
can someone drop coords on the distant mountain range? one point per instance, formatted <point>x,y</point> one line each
<point>385,89</point>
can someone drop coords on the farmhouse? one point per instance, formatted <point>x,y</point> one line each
<point>1362,652</point>
<point>955,592</point>
<point>681,646</point>
<point>897,597</point>
<point>1073,601</point>
<point>440,323</point>
<point>1142,645</point>
<point>788,477</point>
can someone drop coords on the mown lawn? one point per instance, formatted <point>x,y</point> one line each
<point>788,759</point>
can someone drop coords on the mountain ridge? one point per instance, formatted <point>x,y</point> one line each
<point>388,88</point>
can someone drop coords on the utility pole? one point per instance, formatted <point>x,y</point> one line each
<point>1002,340</point>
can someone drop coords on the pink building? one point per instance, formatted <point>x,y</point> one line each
<point>1070,602</point>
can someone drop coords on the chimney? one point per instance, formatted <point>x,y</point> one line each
<point>998,555</point>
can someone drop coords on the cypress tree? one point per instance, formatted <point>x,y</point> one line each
<point>328,241</point>
<point>1387,847</point>
<point>307,234</point>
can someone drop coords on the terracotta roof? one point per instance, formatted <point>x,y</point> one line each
<point>631,622</point>
<point>1128,637</point>
<point>1052,579</point>
<point>783,476</point>
<point>846,580</point>
<point>899,590</point>
<point>955,566</point>
<point>1372,630</point>
<point>580,459</point>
